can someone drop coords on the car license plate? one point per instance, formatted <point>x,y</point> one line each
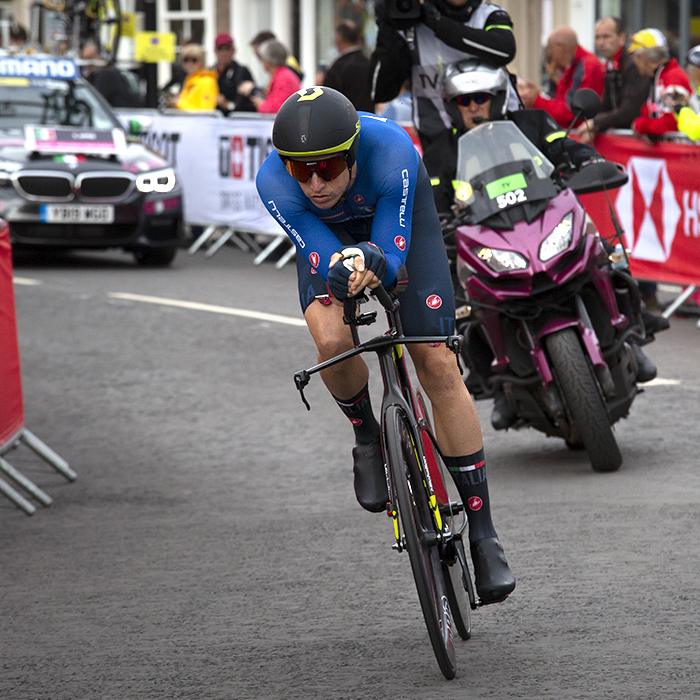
<point>76,214</point>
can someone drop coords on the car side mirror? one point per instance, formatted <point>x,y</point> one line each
<point>585,103</point>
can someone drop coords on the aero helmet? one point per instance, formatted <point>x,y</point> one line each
<point>316,122</point>
<point>471,75</point>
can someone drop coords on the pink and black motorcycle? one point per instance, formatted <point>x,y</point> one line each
<point>549,322</point>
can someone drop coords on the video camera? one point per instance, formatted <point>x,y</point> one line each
<point>403,9</point>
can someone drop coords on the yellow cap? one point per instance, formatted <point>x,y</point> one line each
<point>646,39</point>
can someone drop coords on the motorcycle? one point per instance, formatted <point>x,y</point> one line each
<point>541,297</point>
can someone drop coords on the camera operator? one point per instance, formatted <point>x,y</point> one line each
<point>416,39</point>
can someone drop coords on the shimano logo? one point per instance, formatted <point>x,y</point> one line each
<point>292,232</point>
<point>28,67</point>
<point>404,198</point>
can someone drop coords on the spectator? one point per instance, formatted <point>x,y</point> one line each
<point>231,75</point>
<point>261,37</point>
<point>670,88</point>
<point>349,74</point>
<point>177,73</point>
<point>18,36</point>
<point>107,79</point>
<point>579,69</point>
<point>200,89</point>
<point>400,109</point>
<point>689,116</point>
<point>419,50</point>
<point>283,83</point>
<point>625,89</point>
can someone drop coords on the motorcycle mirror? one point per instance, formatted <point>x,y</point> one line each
<point>586,103</point>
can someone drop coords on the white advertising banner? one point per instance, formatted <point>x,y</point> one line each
<point>216,160</point>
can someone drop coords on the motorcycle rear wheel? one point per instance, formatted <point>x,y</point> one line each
<point>584,400</point>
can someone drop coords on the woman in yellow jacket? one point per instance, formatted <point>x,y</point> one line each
<point>201,86</point>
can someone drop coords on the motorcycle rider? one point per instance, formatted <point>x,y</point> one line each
<point>475,92</point>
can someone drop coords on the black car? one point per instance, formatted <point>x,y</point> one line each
<point>69,175</point>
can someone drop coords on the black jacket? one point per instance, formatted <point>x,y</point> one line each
<point>625,93</point>
<point>424,49</point>
<point>537,126</point>
<point>229,79</point>
<point>115,88</point>
<point>349,75</point>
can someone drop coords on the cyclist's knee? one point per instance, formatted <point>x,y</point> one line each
<point>437,370</point>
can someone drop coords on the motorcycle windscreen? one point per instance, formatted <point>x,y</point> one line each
<point>499,167</point>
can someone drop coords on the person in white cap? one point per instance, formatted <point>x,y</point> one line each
<point>670,88</point>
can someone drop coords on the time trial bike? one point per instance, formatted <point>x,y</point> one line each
<point>427,514</point>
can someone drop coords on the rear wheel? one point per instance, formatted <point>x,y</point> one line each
<point>421,539</point>
<point>584,400</point>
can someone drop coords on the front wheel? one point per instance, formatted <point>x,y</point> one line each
<point>421,539</point>
<point>583,398</point>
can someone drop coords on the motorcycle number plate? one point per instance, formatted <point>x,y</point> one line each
<point>510,198</point>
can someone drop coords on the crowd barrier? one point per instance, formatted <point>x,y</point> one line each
<point>217,159</point>
<point>12,429</point>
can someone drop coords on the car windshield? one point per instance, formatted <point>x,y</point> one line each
<point>52,102</point>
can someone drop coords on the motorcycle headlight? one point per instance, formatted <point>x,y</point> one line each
<point>160,181</point>
<point>559,240</point>
<point>501,260</point>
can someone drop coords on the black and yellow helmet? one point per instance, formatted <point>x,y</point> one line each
<point>316,122</point>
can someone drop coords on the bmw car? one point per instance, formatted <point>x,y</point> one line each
<point>70,177</point>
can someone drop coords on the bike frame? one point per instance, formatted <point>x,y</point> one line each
<point>398,392</point>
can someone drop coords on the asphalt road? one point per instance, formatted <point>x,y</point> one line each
<point>212,548</point>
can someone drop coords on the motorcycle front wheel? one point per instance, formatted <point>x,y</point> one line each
<point>583,399</point>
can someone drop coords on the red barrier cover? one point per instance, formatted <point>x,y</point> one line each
<point>11,407</point>
<point>659,208</point>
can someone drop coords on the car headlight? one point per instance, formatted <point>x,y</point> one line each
<point>156,181</point>
<point>501,260</point>
<point>559,240</point>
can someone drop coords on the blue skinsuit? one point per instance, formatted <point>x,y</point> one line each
<point>390,203</point>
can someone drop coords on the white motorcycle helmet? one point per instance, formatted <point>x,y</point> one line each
<point>471,75</point>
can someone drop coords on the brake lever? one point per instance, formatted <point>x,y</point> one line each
<point>301,379</point>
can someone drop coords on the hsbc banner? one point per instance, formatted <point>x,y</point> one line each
<point>216,160</point>
<point>658,208</point>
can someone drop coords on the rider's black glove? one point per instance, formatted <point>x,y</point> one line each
<point>339,274</point>
<point>429,15</point>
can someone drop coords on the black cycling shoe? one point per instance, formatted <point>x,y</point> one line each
<point>502,416</point>
<point>646,369</point>
<point>494,579</point>
<point>370,478</point>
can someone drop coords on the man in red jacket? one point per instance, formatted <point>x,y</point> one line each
<point>579,68</point>
<point>670,89</point>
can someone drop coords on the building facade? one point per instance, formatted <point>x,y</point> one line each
<point>307,26</point>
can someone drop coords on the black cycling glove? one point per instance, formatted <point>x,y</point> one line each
<point>339,274</point>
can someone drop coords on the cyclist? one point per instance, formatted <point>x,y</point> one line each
<point>338,180</point>
<point>475,92</point>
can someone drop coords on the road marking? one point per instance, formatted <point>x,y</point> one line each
<point>660,381</point>
<point>26,281</point>
<point>196,306</point>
